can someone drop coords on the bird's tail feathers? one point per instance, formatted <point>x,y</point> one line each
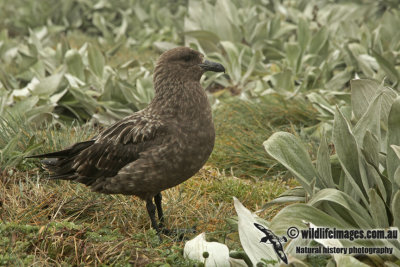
<point>66,152</point>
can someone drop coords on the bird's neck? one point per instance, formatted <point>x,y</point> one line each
<point>181,100</point>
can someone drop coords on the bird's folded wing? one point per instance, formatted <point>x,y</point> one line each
<point>110,151</point>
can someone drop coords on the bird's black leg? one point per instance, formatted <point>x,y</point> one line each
<point>151,209</point>
<point>157,200</point>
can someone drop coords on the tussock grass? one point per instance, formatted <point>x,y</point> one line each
<point>20,138</point>
<point>54,223</point>
<point>243,126</point>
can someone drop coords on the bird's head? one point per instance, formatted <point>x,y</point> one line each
<point>184,62</point>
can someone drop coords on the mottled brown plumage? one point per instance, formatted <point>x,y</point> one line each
<point>154,149</point>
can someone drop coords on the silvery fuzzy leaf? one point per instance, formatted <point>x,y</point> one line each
<point>250,236</point>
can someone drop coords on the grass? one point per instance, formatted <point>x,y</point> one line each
<point>243,126</point>
<point>19,138</point>
<point>61,223</point>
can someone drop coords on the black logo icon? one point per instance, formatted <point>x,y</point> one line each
<point>276,242</point>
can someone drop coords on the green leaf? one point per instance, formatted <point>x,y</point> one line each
<point>233,53</point>
<point>363,92</point>
<point>397,177</point>
<point>324,164</point>
<point>296,214</point>
<point>392,161</point>
<point>291,153</point>
<point>350,210</point>
<point>347,151</point>
<point>250,236</point>
<point>396,150</point>
<point>371,148</point>
<point>371,156</point>
<point>303,34</point>
<point>22,106</point>
<point>338,80</point>
<point>75,64</point>
<point>370,121</point>
<point>348,261</point>
<point>387,66</point>
<point>96,60</point>
<point>296,194</point>
<point>320,103</point>
<point>292,53</point>
<point>207,39</point>
<point>47,86</point>
<point>318,41</point>
<point>396,209</point>
<point>378,210</point>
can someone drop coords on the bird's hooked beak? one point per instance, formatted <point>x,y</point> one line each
<point>211,66</point>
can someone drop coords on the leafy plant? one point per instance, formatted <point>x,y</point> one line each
<point>63,83</point>
<point>365,194</point>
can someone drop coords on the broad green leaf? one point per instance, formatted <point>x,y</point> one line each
<point>291,153</point>
<point>367,64</point>
<point>348,261</point>
<point>387,66</point>
<point>233,53</point>
<point>56,97</point>
<point>230,10</point>
<point>74,81</point>
<point>296,214</point>
<point>164,46</point>
<point>319,40</point>
<point>321,104</point>
<point>392,161</point>
<point>303,34</point>
<point>378,210</point>
<point>397,177</point>
<point>296,194</point>
<point>338,81</point>
<point>75,64</point>
<point>395,208</point>
<point>324,164</point>
<point>348,153</point>
<point>362,94</point>
<point>341,260</point>
<point>344,202</point>
<point>250,236</point>
<point>388,97</point>
<point>283,81</point>
<point>101,23</point>
<point>371,147</point>
<point>47,86</point>
<point>396,150</point>
<point>370,121</point>
<point>371,163</point>
<point>20,107</point>
<point>292,53</point>
<point>96,60</point>
<point>207,39</point>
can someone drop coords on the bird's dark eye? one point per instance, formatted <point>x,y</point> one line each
<point>187,58</point>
